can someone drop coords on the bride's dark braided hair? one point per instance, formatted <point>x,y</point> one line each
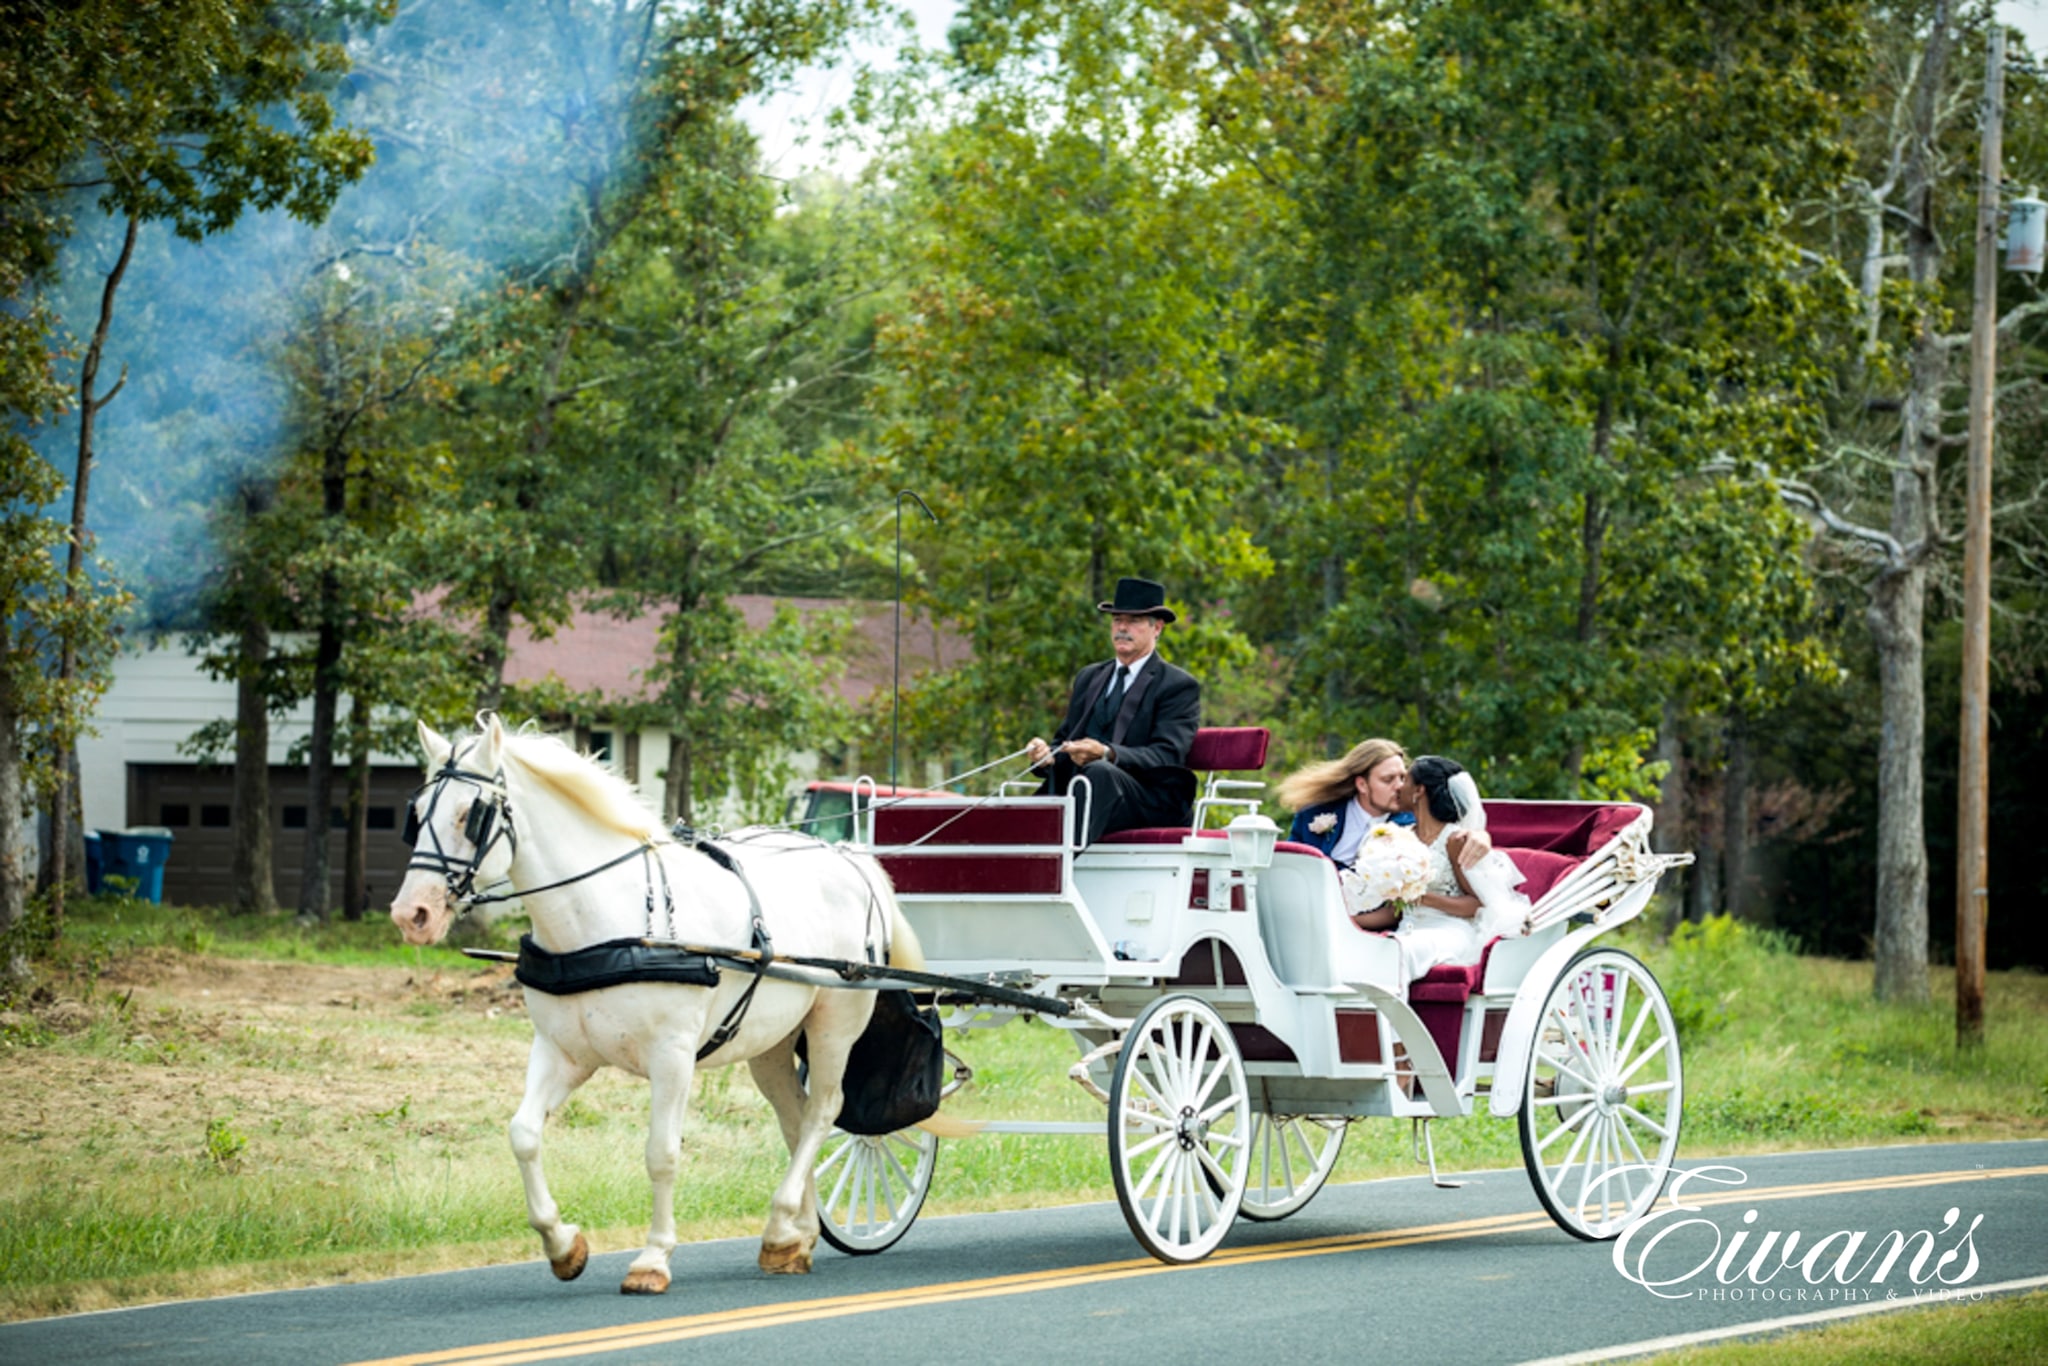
<point>1433,773</point>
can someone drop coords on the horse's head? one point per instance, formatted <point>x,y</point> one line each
<point>460,828</point>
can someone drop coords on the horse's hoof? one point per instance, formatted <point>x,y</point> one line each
<point>793,1259</point>
<point>571,1266</point>
<point>650,1280</point>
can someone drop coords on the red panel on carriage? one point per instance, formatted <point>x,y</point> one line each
<point>1541,869</point>
<point>1574,829</point>
<point>1230,749</point>
<point>952,874</point>
<point>968,823</point>
<point>1358,1036</point>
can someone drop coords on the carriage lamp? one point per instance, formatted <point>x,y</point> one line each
<point>1251,841</point>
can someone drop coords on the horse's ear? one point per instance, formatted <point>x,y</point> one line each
<point>489,746</point>
<point>436,748</point>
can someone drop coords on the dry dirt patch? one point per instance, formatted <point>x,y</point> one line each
<point>284,1053</point>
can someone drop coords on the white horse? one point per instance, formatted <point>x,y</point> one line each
<point>593,865</point>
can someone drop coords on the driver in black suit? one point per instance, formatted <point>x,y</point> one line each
<point>1129,725</point>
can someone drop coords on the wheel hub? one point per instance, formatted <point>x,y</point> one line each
<point>1614,1095</point>
<point>1190,1130</point>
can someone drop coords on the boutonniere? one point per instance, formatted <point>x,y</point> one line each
<point>1323,824</point>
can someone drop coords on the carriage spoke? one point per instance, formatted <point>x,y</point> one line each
<point>1650,1088</point>
<point>1654,1050</point>
<point>1575,1123</point>
<point>1652,1125</point>
<point>1643,1017</point>
<point>1634,1146</point>
<point>836,1156</point>
<point>1564,1067</point>
<point>1160,1140</point>
<point>1617,1012</point>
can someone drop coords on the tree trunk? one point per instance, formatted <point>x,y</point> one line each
<point>1670,812</point>
<point>495,646</point>
<point>676,802</point>
<point>1737,875</point>
<point>58,874</point>
<point>1703,889</point>
<point>1896,608</point>
<point>13,878</point>
<point>1898,597</point>
<point>255,892</point>
<point>355,876</point>
<point>320,775</point>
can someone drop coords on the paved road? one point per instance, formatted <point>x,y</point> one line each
<point>1388,1269</point>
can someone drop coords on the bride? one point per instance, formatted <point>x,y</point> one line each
<point>1463,908</point>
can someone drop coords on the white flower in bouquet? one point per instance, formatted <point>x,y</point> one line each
<point>1392,866</point>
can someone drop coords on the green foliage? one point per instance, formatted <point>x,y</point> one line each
<point>1556,250</point>
<point>1062,384</point>
<point>224,1145</point>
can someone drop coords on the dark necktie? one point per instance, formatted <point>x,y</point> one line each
<point>1105,711</point>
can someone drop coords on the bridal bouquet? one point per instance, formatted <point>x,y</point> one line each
<point>1392,865</point>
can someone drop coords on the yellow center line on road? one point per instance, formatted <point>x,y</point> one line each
<point>623,1336</point>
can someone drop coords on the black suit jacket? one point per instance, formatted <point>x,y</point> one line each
<point>1154,728</point>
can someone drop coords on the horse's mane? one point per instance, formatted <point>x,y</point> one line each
<point>608,798</point>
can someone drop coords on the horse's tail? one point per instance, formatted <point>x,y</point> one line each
<point>904,950</point>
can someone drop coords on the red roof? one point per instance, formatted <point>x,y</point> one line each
<point>599,652</point>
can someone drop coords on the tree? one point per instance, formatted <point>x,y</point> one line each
<point>1884,485</point>
<point>1559,279</point>
<point>186,112</point>
<point>1062,385</point>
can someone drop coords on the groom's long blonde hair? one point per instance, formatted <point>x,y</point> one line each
<point>1334,779</point>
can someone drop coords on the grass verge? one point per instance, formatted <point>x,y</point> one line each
<point>1999,1332</point>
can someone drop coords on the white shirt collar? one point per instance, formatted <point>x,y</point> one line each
<point>1131,669</point>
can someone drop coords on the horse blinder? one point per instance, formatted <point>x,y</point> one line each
<point>482,816</point>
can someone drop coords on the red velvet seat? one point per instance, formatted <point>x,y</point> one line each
<point>1229,749</point>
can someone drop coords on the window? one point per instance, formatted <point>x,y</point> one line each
<point>295,818</point>
<point>213,816</point>
<point>601,746</point>
<point>174,813</point>
<point>337,819</point>
<point>383,818</point>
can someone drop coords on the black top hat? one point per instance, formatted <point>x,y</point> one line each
<point>1139,598</point>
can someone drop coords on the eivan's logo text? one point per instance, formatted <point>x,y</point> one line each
<point>1662,1250</point>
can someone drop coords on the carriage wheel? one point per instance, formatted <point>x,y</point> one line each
<point>1602,1103</point>
<point>870,1187</point>
<point>1180,1122</point>
<point>1290,1160</point>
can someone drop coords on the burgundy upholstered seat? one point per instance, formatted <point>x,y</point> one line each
<point>1229,749</point>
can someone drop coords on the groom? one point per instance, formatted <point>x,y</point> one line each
<point>1341,799</point>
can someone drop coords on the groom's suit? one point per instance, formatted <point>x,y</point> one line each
<point>1345,810</point>
<point>1146,781</point>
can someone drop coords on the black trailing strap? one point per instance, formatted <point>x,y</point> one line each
<point>760,943</point>
<point>610,964</point>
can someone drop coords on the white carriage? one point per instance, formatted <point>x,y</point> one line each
<point>1236,1022</point>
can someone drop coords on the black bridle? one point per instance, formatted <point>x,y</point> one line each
<point>488,823</point>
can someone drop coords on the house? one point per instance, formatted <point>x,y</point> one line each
<point>132,773</point>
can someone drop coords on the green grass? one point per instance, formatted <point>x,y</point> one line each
<point>155,1142</point>
<point>2008,1331</point>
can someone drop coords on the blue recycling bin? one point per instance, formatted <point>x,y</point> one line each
<point>132,854</point>
<point>92,862</point>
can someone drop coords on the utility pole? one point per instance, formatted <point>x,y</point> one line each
<point>1973,863</point>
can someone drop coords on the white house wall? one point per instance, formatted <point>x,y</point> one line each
<point>160,696</point>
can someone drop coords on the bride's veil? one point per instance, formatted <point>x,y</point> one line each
<point>1503,910</point>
